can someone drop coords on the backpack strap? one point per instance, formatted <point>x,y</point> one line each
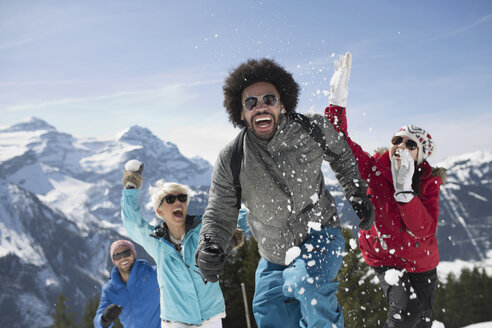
<point>313,130</point>
<point>236,160</point>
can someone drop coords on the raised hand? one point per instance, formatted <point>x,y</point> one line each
<point>339,81</point>
<point>132,174</point>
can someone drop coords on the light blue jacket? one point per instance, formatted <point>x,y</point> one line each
<point>184,296</point>
<point>139,297</point>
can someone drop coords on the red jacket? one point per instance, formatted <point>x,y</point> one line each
<point>403,234</point>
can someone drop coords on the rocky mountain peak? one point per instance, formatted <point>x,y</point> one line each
<point>30,124</point>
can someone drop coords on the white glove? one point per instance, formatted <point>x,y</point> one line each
<point>402,176</point>
<point>339,81</point>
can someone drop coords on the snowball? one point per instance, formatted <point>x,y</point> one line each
<point>353,243</point>
<point>314,198</point>
<point>437,324</point>
<point>314,301</point>
<point>392,276</point>
<point>301,291</point>
<point>132,165</point>
<point>314,225</point>
<point>291,254</point>
<point>311,263</point>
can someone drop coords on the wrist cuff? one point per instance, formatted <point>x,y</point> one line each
<point>404,196</point>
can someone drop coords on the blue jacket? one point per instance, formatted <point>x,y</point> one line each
<point>139,297</point>
<point>184,296</point>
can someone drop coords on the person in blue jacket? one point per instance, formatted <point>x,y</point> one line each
<point>132,292</point>
<point>187,299</point>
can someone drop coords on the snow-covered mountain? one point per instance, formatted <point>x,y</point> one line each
<point>60,210</point>
<point>465,220</point>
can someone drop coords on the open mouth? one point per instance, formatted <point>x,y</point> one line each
<point>178,213</point>
<point>263,122</point>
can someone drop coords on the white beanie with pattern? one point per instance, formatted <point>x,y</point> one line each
<point>421,137</point>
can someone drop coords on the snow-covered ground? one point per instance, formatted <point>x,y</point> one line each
<point>480,325</point>
<point>488,324</point>
<point>444,268</point>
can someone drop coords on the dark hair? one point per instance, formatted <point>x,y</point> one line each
<point>251,72</point>
<point>416,180</point>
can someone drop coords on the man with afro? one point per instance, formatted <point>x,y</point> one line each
<point>293,217</point>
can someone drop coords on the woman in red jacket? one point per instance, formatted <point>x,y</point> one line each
<point>401,246</point>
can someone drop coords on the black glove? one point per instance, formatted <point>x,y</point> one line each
<point>132,174</point>
<point>110,314</point>
<point>364,209</point>
<point>210,259</point>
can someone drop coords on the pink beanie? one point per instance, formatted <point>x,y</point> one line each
<point>120,245</point>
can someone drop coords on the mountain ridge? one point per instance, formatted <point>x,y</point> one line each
<point>60,209</point>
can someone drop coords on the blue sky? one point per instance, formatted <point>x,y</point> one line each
<point>95,68</point>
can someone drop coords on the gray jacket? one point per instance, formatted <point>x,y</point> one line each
<point>282,186</point>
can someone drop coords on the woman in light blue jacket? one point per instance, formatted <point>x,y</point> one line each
<point>187,300</point>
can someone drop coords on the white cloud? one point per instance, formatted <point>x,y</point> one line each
<point>167,91</point>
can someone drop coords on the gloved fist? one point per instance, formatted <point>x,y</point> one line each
<point>339,81</point>
<point>364,210</point>
<point>402,176</point>
<point>210,259</point>
<point>110,314</point>
<point>132,174</point>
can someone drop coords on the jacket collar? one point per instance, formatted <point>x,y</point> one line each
<point>115,273</point>
<point>162,231</point>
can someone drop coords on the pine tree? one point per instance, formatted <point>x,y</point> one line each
<point>61,318</point>
<point>90,312</point>
<point>240,268</point>
<point>362,300</point>
<point>465,300</point>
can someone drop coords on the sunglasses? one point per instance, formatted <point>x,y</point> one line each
<point>411,145</point>
<point>172,198</point>
<point>119,255</point>
<point>251,102</point>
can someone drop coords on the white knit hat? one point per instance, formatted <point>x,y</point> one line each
<point>421,137</point>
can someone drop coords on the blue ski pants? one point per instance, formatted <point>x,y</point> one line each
<point>302,294</point>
